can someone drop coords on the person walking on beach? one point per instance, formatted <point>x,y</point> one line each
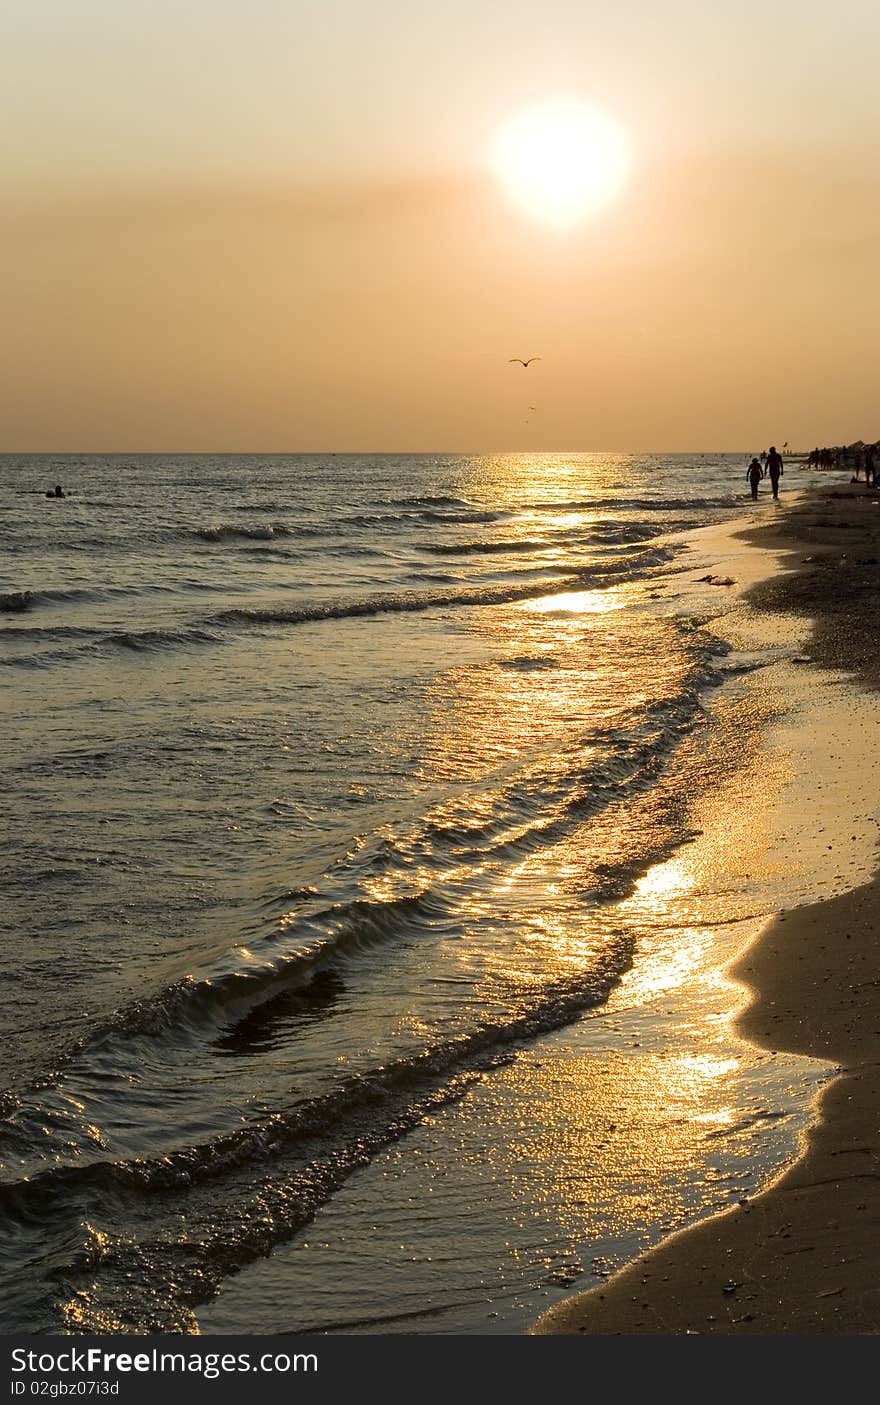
<point>870,467</point>
<point>754,473</point>
<point>774,469</point>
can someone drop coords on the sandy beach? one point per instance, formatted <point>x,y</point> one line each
<point>801,1257</point>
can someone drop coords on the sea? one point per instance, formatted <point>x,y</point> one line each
<point>362,907</point>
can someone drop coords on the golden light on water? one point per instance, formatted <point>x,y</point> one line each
<point>578,602</point>
<point>665,883</point>
<point>562,160</point>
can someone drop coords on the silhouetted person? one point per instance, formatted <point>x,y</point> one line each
<point>774,469</point>
<point>870,467</point>
<point>754,473</point>
<point>58,492</point>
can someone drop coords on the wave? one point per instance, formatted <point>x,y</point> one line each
<point>622,503</point>
<point>434,577</point>
<point>556,1004</point>
<point>624,533</point>
<point>259,506</point>
<point>287,958</point>
<point>611,533</point>
<point>523,663</point>
<point>149,640</point>
<point>21,600</point>
<point>205,631</point>
<point>209,630</point>
<point>396,604</point>
<point>235,531</point>
<point>455,517</point>
<point>492,546</point>
<point>428,500</point>
<point>36,633</point>
<point>468,516</point>
<point>249,1190</point>
<point>86,642</point>
<point>17,601</point>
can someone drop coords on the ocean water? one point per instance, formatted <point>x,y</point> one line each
<point>334,791</point>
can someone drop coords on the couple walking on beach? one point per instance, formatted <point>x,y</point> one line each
<point>774,472</point>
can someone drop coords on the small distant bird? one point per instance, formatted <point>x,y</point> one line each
<point>520,362</point>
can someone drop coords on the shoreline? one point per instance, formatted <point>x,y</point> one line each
<point>729,1115</point>
<point>796,1258</point>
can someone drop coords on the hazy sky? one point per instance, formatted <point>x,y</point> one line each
<point>273,226</point>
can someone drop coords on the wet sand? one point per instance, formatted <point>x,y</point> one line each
<point>804,1256</point>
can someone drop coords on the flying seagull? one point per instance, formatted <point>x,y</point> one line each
<point>520,362</point>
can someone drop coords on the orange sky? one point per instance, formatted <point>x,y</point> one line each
<point>169,282</point>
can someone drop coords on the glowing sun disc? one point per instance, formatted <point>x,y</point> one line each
<point>562,161</point>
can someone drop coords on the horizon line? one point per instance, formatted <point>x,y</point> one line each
<point>345,453</point>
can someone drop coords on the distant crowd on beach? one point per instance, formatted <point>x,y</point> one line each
<point>861,458</point>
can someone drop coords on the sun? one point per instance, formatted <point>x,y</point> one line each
<point>562,160</point>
